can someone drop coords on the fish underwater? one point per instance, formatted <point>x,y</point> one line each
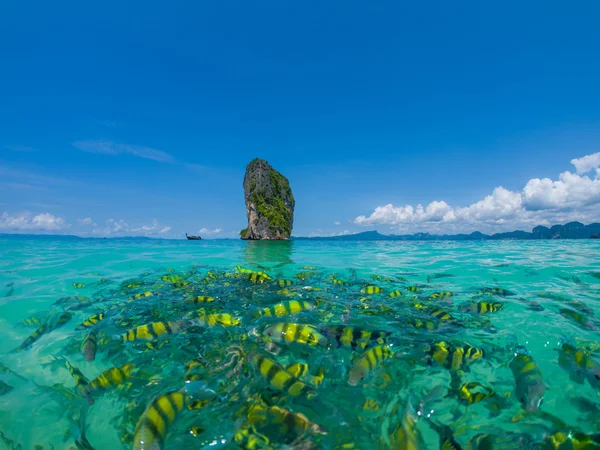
<point>254,357</point>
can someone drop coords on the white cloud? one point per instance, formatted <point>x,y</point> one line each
<point>87,221</point>
<point>154,228</point>
<point>542,201</point>
<point>121,228</point>
<point>113,148</point>
<point>337,223</point>
<point>341,233</point>
<point>113,226</point>
<point>586,163</point>
<point>209,232</point>
<point>40,222</point>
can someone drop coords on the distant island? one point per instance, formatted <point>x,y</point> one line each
<point>571,230</point>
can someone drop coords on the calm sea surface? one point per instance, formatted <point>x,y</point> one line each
<point>402,387</point>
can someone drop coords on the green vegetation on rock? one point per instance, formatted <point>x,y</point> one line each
<point>269,203</point>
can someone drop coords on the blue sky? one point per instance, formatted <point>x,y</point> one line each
<point>141,116</point>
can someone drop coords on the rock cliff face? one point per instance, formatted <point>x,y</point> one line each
<point>269,203</point>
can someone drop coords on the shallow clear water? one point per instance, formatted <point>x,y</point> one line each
<point>545,276</point>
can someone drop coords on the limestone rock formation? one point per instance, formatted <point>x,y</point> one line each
<point>269,202</point>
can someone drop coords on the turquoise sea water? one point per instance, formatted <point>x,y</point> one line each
<point>556,287</point>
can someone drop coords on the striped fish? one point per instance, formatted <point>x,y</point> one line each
<point>89,346</point>
<point>286,308</point>
<point>454,357</point>
<point>200,299</point>
<point>289,333</point>
<point>151,331</point>
<point>91,321</point>
<point>368,362</point>
<point>52,324</point>
<point>302,371</point>
<point>371,290</point>
<point>293,422</point>
<point>153,426</point>
<point>474,392</point>
<point>210,320</point>
<point>32,321</point>
<point>530,387</point>
<point>440,295</point>
<point>111,377</point>
<point>442,316</point>
<point>258,277</point>
<point>354,337</point>
<point>494,291</point>
<point>279,378</point>
<point>396,293</point>
<point>482,307</point>
<point>81,381</point>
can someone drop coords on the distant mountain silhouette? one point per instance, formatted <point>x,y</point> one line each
<point>571,230</point>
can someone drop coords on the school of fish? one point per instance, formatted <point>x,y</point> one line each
<point>248,358</point>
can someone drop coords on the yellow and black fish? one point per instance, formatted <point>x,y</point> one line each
<point>474,392</point>
<point>89,346</point>
<point>494,291</point>
<point>111,377</point>
<point>78,285</point>
<point>579,318</point>
<point>172,278</point>
<point>247,437</point>
<point>72,299</point>
<point>81,381</point>
<point>32,321</point>
<point>303,276</point>
<point>579,364</point>
<point>259,277</point>
<point>283,283</point>
<point>442,316</point>
<point>422,324</point>
<point>210,320</point>
<point>569,440</point>
<point>91,321</point>
<point>286,308</point>
<point>194,370</point>
<point>294,333</point>
<point>292,422</point>
<point>279,378</point>
<point>371,290</point>
<point>241,269</point>
<point>381,278</point>
<point>337,281</point>
<point>440,295</point>
<point>396,293</point>
<point>454,356</point>
<point>414,289</point>
<point>302,371</point>
<point>141,295</point>
<point>530,387</point>
<point>482,307</point>
<point>354,337</point>
<point>368,362</point>
<point>153,426</point>
<point>200,299</point>
<point>52,324</point>
<point>151,331</point>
